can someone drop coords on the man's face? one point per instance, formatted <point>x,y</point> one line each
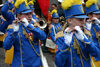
<point>54,7</point>
<point>55,20</point>
<point>28,16</point>
<point>77,22</point>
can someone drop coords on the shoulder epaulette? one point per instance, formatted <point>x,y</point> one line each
<point>59,34</point>
<point>87,32</point>
<point>10,27</point>
<point>11,11</point>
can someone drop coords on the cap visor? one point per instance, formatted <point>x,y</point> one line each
<point>27,11</point>
<point>81,16</point>
<point>96,12</point>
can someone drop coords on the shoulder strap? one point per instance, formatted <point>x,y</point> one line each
<point>54,29</point>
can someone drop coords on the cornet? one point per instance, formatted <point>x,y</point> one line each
<point>42,23</point>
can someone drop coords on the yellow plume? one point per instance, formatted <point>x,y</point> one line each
<point>54,11</point>
<point>66,4</point>
<point>18,2</point>
<point>90,2</point>
<point>12,2</point>
<point>30,3</point>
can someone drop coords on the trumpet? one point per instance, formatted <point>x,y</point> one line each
<point>42,23</point>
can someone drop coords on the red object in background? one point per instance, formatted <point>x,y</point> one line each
<point>49,37</point>
<point>49,17</point>
<point>44,5</point>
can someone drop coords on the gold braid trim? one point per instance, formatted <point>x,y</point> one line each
<point>59,34</point>
<point>87,32</point>
<point>10,27</point>
<point>58,29</point>
<point>79,51</point>
<point>65,49</point>
<point>26,35</point>
<point>97,35</point>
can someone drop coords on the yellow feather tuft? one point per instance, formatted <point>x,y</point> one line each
<point>12,2</point>
<point>18,2</point>
<point>77,2</point>
<point>53,11</point>
<point>66,4</point>
<point>30,3</point>
<point>90,2</point>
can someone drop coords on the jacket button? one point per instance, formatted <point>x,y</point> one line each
<point>73,58</point>
<point>74,64</point>
<point>72,45</point>
<point>73,51</point>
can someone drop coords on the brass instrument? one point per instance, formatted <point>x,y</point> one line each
<point>62,21</point>
<point>42,23</point>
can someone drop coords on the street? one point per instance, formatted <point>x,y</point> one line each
<point>2,58</point>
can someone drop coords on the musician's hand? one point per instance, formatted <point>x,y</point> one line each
<point>79,33</point>
<point>97,21</point>
<point>36,24</point>
<point>25,22</point>
<point>10,1</point>
<point>15,21</point>
<point>88,25</point>
<point>15,25</point>
<point>59,34</point>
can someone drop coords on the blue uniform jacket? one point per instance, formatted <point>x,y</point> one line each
<point>4,25</point>
<point>9,17</point>
<point>26,53</point>
<point>67,56</point>
<point>52,34</point>
<point>23,51</point>
<point>95,40</point>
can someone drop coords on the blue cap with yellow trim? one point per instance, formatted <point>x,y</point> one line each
<point>91,6</point>
<point>31,4</point>
<point>21,6</point>
<point>73,9</point>
<point>54,14</point>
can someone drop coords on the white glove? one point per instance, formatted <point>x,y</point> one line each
<point>88,25</point>
<point>68,38</point>
<point>10,1</point>
<point>97,21</point>
<point>79,34</point>
<point>15,27</point>
<point>25,22</point>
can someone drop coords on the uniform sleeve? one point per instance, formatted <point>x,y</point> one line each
<point>4,10</point>
<point>62,54</point>
<point>52,35</point>
<point>37,32</point>
<point>93,49</point>
<point>4,26</point>
<point>9,39</point>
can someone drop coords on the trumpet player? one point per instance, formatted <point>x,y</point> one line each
<point>93,25</point>
<point>24,37</point>
<point>77,47</point>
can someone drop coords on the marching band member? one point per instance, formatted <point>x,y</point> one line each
<point>55,26</point>
<point>77,47</point>
<point>24,37</point>
<point>7,11</point>
<point>92,25</point>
